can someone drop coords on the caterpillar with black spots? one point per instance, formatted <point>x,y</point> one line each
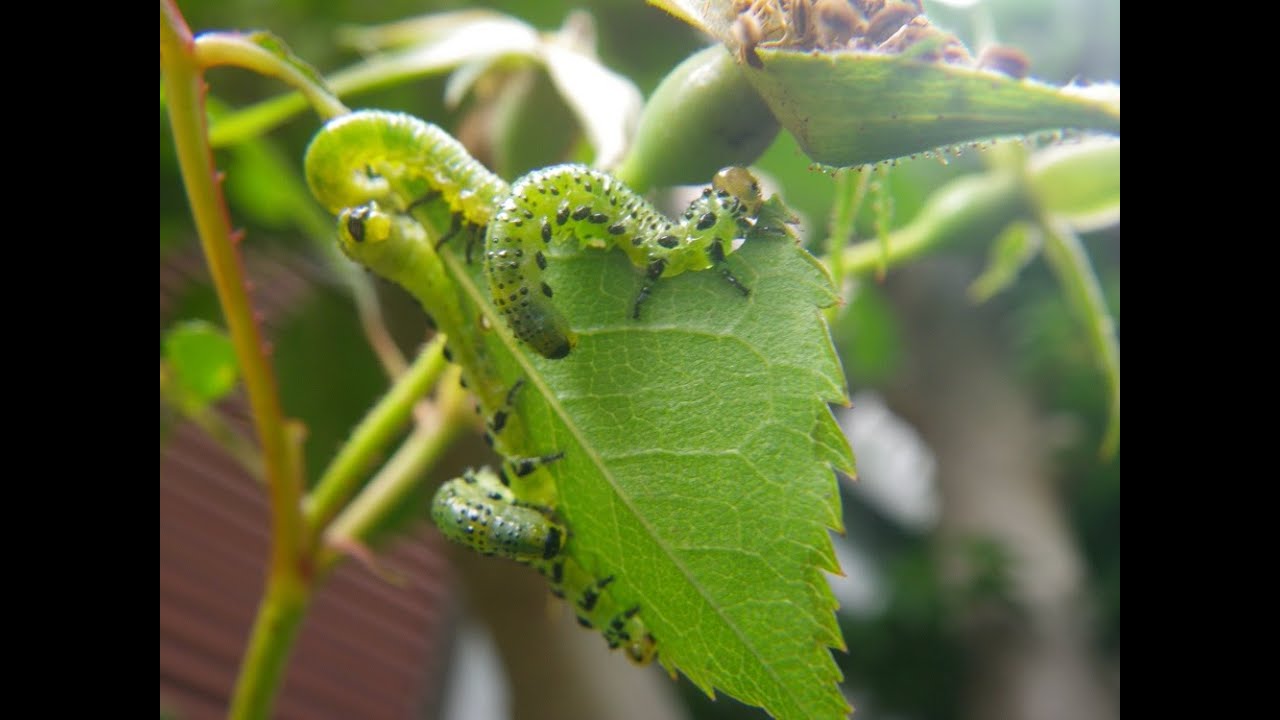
<point>573,203</point>
<point>370,166</point>
<point>398,161</point>
<point>477,510</point>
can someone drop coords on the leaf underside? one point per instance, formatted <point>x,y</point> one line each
<point>851,108</point>
<point>698,459</point>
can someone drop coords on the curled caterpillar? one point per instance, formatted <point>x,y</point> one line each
<point>376,155</point>
<point>569,203</point>
<point>372,167</point>
<point>479,511</point>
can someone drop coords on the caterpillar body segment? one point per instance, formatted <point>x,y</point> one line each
<point>585,208</point>
<point>479,511</point>
<point>375,155</point>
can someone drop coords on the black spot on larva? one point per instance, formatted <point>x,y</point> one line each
<point>524,291</point>
<point>562,214</point>
<point>528,215</point>
<point>541,259</point>
<point>355,225</point>
<point>589,599</point>
<point>546,231</point>
<point>716,251</point>
<point>512,297</point>
<point>557,573</point>
<point>668,241</point>
<point>555,190</point>
<point>546,289</point>
<point>706,221</point>
<point>598,218</point>
<point>448,354</point>
<point>488,439</point>
<point>581,212</point>
<point>552,547</point>
<point>637,241</point>
<point>617,229</point>
<point>586,186</point>
<point>584,622</point>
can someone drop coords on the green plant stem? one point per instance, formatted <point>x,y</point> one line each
<point>288,579</point>
<point>184,92</point>
<point>368,75</point>
<point>219,48</point>
<point>971,206</point>
<point>402,473</point>
<point>1066,255</point>
<point>345,474</point>
<point>280,615</point>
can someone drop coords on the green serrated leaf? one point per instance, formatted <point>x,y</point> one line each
<point>1016,246</point>
<point>698,453</point>
<point>202,361</point>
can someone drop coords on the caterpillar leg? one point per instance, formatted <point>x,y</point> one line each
<point>499,419</point>
<point>522,466</point>
<point>718,258</point>
<point>455,224</point>
<point>651,275</point>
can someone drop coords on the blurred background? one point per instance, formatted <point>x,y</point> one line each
<point>982,555</point>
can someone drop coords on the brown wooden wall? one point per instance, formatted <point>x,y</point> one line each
<point>367,648</point>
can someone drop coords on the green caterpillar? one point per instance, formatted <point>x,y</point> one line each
<point>568,202</point>
<point>370,166</point>
<point>479,511</point>
<point>397,160</point>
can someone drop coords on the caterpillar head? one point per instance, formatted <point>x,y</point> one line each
<point>740,184</point>
<point>363,224</point>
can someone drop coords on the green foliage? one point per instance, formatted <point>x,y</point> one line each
<point>202,362</point>
<point>697,444</point>
<point>697,465</point>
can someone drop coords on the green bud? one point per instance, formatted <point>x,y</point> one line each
<point>704,116</point>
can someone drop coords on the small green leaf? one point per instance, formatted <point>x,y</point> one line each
<point>1079,183</point>
<point>203,363</point>
<point>1016,246</point>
